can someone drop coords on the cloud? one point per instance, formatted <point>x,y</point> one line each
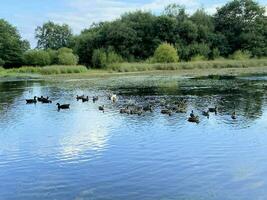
<point>82,13</point>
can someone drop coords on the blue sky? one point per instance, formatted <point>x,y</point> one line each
<point>79,14</point>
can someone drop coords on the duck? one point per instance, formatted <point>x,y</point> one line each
<point>166,112</point>
<point>233,116</point>
<point>40,98</point>
<point>63,106</point>
<point>194,119</point>
<point>30,101</point>
<point>113,98</point>
<point>213,109</point>
<point>124,110</point>
<point>95,98</point>
<point>206,113</point>
<point>192,115</point>
<point>101,108</point>
<point>79,97</point>
<point>84,99</point>
<point>46,101</point>
<point>147,108</point>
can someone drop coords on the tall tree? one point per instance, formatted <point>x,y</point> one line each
<point>12,46</point>
<point>243,23</point>
<point>53,36</point>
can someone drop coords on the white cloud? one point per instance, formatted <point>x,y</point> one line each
<point>80,14</point>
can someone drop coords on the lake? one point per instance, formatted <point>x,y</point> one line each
<point>83,153</point>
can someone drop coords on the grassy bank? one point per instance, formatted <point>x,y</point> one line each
<point>191,69</point>
<point>216,64</point>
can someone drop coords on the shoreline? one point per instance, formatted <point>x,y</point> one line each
<point>183,73</point>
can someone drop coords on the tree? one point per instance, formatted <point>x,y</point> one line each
<point>244,25</point>
<point>36,58</point>
<point>66,57</point>
<point>12,46</point>
<point>165,53</point>
<point>53,36</point>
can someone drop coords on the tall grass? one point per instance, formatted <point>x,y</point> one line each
<point>48,70</point>
<point>220,63</point>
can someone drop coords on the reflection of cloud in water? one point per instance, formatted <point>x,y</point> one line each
<point>88,137</point>
<point>82,142</point>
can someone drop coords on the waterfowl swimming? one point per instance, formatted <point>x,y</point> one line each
<point>84,99</point>
<point>40,98</point>
<point>192,115</point>
<point>29,101</point>
<point>194,119</point>
<point>95,98</point>
<point>63,106</point>
<point>79,97</point>
<point>166,112</point>
<point>46,101</point>
<point>206,113</point>
<point>147,108</point>
<point>233,116</point>
<point>101,108</point>
<point>213,109</point>
<point>124,110</point>
<point>113,98</point>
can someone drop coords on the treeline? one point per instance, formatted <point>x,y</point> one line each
<point>238,29</point>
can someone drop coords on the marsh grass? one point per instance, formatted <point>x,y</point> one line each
<point>220,63</point>
<point>48,70</point>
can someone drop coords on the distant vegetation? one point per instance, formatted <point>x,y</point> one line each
<point>237,31</point>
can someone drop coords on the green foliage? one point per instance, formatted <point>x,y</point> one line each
<point>2,62</point>
<point>244,25</point>
<point>49,70</point>
<point>12,46</point>
<point>198,58</point>
<point>99,58</point>
<point>53,36</point>
<point>241,55</point>
<point>37,58</point>
<point>166,53</point>
<point>113,57</point>
<point>67,59</point>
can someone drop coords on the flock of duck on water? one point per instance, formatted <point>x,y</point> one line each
<point>132,109</point>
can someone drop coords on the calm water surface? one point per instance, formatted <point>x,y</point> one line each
<point>82,153</point>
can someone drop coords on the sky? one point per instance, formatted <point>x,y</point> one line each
<point>26,15</point>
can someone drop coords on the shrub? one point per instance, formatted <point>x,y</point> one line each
<point>197,49</point>
<point>53,56</point>
<point>215,53</point>
<point>67,59</point>
<point>99,58</point>
<point>2,62</point>
<point>241,55</point>
<point>113,57</point>
<point>198,58</point>
<point>37,58</point>
<point>166,53</point>
<point>65,50</point>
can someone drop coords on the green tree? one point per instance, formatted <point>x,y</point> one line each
<point>53,36</point>
<point>99,58</point>
<point>165,53</point>
<point>66,57</point>
<point>36,58</point>
<point>244,25</point>
<point>12,46</point>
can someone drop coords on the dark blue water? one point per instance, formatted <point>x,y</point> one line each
<point>83,153</point>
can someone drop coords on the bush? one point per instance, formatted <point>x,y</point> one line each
<point>113,57</point>
<point>2,62</point>
<point>166,53</point>
<point>99,58</point>
<point>53,56</point>
<point>37,58</point>
<point>241,55</point>
<point>199,49</point>
<point>67,59</point>
<point>198,58</point>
